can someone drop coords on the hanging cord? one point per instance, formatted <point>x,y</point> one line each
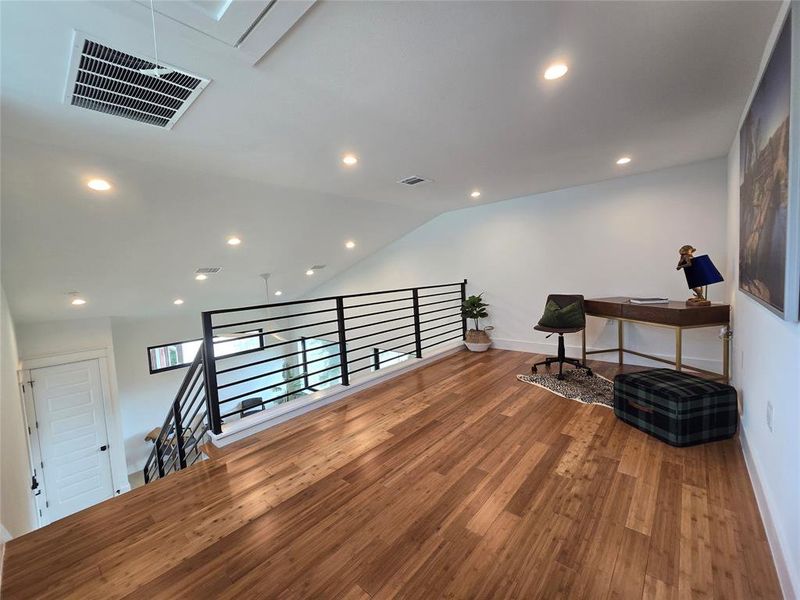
<point>155,42</point>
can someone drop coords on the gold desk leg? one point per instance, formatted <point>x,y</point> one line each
<point>620,340</point>
<point>583,339</point>
<point>726,357</point>
<point>678,348</point>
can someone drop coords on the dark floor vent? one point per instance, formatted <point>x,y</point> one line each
<point>117,83</point>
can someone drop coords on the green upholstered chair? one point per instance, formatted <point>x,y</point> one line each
<point>563,313</point>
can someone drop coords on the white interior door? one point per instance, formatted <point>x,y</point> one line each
<point>73,439</point>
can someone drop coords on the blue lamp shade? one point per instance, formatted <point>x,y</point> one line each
<point>702,272</point>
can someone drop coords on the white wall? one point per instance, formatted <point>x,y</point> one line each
<point>766,357</point>
<point>17,511</point>
<point>45,338</point>
<point>618,237</point>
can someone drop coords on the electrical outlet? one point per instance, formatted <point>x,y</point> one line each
<point>769,415</point>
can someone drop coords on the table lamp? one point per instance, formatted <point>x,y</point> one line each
<point>701,273</point>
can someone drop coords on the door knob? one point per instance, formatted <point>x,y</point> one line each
<point>103,448</point>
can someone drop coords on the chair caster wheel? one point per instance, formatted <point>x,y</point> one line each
<point>589,373</point>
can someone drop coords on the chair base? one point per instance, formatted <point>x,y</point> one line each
<point>561,359</point>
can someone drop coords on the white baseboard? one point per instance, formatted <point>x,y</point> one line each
<point>575,352</point>
<point>787,574</point>
<point>246,427</point>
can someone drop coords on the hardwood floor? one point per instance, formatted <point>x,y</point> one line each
<point>453,481</point>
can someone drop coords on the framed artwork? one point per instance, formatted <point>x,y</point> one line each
<point>769,262</point>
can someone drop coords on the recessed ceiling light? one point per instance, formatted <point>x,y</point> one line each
<point>623,160</point>
<point>78,301</point>
<point>278,293</point>
<point>201,277</point>
<point>234,241</point>
<point>99,185</point>
<point>556,71</point>
<point>177,301</point>
<point>349,159</point>
<point>475,194</point>
<point>310,272</point>
<point>350,244</point>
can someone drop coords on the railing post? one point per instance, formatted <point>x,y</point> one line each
<point>345,372</point>
<point>304,354</point>
<point>159,460</point>
<point>176,415</point>
<point>417,334</point>
<point>210,375</point>
<point>463,318</point>
<point>376,359</point>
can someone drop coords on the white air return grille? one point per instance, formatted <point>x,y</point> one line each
<point>117,83</point>
<point>208,270</point>
<point>413,180</point>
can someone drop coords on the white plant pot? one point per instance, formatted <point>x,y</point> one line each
<point>478,347</point>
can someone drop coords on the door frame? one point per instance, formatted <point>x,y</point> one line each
<point>116,443</point>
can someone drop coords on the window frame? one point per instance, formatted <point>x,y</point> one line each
<point>251,333</point>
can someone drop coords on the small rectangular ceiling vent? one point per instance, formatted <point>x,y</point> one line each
<point>413,180</point>
<point>208,270</point>
<point>107,80</point>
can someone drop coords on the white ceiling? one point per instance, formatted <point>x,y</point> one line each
<point>450,91</point>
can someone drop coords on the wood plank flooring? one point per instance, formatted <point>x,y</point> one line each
<point>453,481</point>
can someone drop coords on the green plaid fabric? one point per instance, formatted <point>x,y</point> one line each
<point>676,407</point>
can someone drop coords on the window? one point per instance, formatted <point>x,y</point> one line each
<point>180,354</point>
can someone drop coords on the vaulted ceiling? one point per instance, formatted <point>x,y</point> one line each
<point>450,91</point>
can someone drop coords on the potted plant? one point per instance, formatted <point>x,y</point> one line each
<point>474,308</point>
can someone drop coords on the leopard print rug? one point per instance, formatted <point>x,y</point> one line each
<point>576,385</point>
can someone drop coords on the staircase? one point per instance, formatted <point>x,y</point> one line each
<point>294,349</point>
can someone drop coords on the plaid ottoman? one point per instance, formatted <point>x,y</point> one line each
<point>675,407</point>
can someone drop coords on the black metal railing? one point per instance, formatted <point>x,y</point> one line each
<point>304,346</point>
<point>179,443</point>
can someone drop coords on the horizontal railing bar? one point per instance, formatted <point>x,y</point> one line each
<point>441,302</point>
<point>275,372</point>
<point>381,342</point>
<point>378,302</point>
<point>442,325</point>
<point>379,312</point>
<point>387,350</point>
<point>304,375</point>
<point>292,316</point>
<point>286,395</point>
<point>437,310</point>
<point>327,298</point>
<point>378,323</point>
<point>266,360</point>
<point>273,332</point>
<point>222,311</point>
<point>362,337</point>
<point>430,337</point>
<point>458,337</point>
<point>436,319</point>
<point>441,293</point>
<point>364,368</point>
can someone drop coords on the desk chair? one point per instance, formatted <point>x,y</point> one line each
<point>564,313</point>
<point>250,406</point>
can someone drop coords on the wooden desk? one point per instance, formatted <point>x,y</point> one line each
<point>673,315</point>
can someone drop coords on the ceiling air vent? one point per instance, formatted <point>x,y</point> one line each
<point>208,270</point>
<point>414,180</point>
<point>107,80</point>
